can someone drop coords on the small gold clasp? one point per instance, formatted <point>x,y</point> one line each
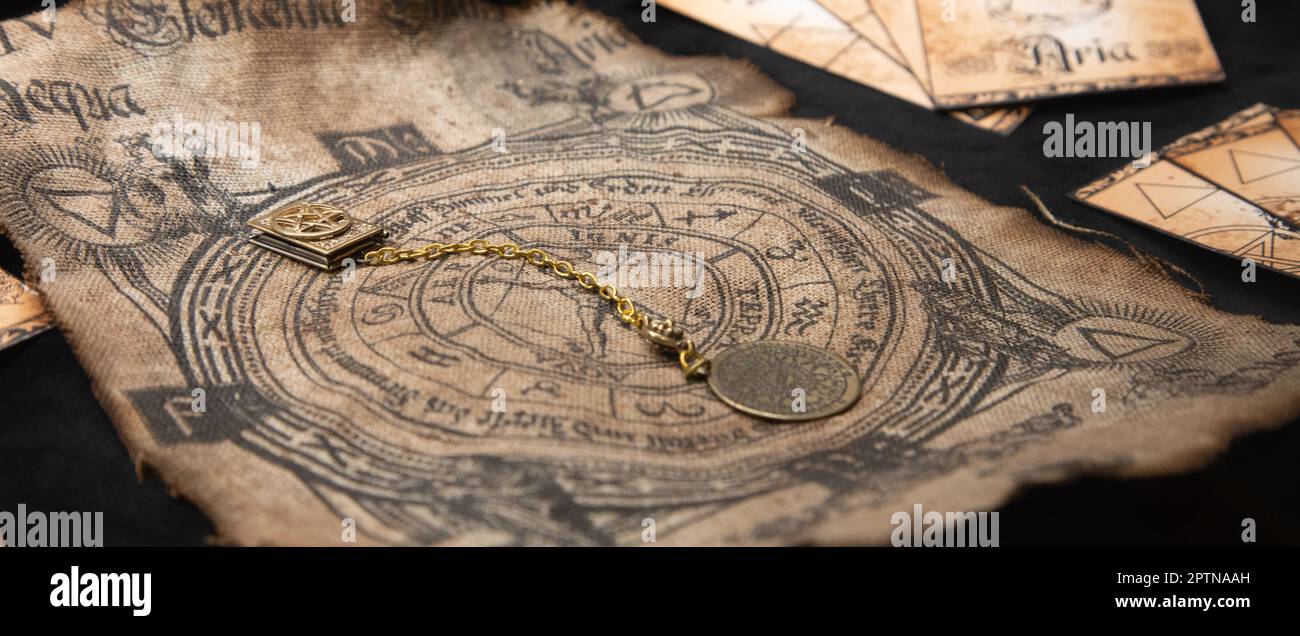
<point>315,234</point>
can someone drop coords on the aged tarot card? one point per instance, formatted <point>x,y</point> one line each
<point>806,31</point>
<point>1173,196</point>
<point>987,52</point>
<point>1259,163</point>
<point>22,312</point>
<point>903,24</point>
<point>1253,116</point>
<point>1002,120</point>
<point>1289,120</point>
<point>862,17</point>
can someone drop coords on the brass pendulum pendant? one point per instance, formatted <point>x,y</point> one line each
<point>771,379</point>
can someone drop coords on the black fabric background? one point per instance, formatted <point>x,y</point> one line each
<point>59,451</point>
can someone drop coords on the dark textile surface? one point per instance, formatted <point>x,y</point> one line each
<point>59,450</point>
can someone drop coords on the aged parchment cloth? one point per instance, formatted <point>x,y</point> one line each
<point>480,402</point>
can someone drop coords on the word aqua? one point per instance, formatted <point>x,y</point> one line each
<point>102,590</point>
<point>1104,139</point>
<point>54,530</point>
<point>633,270</point>
<point>934,529</point>
<point>61,98</point>
<point>185,139</point>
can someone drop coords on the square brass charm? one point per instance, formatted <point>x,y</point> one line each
<point>315,234</point>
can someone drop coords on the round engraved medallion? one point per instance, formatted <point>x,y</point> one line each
<point>786,381</point>
<point>311,221</point>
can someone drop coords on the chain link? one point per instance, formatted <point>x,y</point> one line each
<point>692,362</point>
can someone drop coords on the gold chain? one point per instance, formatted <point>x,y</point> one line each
<point>660,332</point>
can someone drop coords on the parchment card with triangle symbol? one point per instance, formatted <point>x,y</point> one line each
<point>1259,163</point>
<point>476,401</point>
<point>1233,187</point>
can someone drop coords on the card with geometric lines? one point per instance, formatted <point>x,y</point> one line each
<point>1259,163</point>
<point>1231,188</point>
<point>903,46</point>
<point>806,31</point>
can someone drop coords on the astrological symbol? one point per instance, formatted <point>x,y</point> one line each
<point>807,313</point>
<point>796,247</point>
<point>719,214</point>
<point>382,314</point>
<point>429,355</point>
<point>211,325</point>
<point>665,406</point>
<point>545,386</point>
